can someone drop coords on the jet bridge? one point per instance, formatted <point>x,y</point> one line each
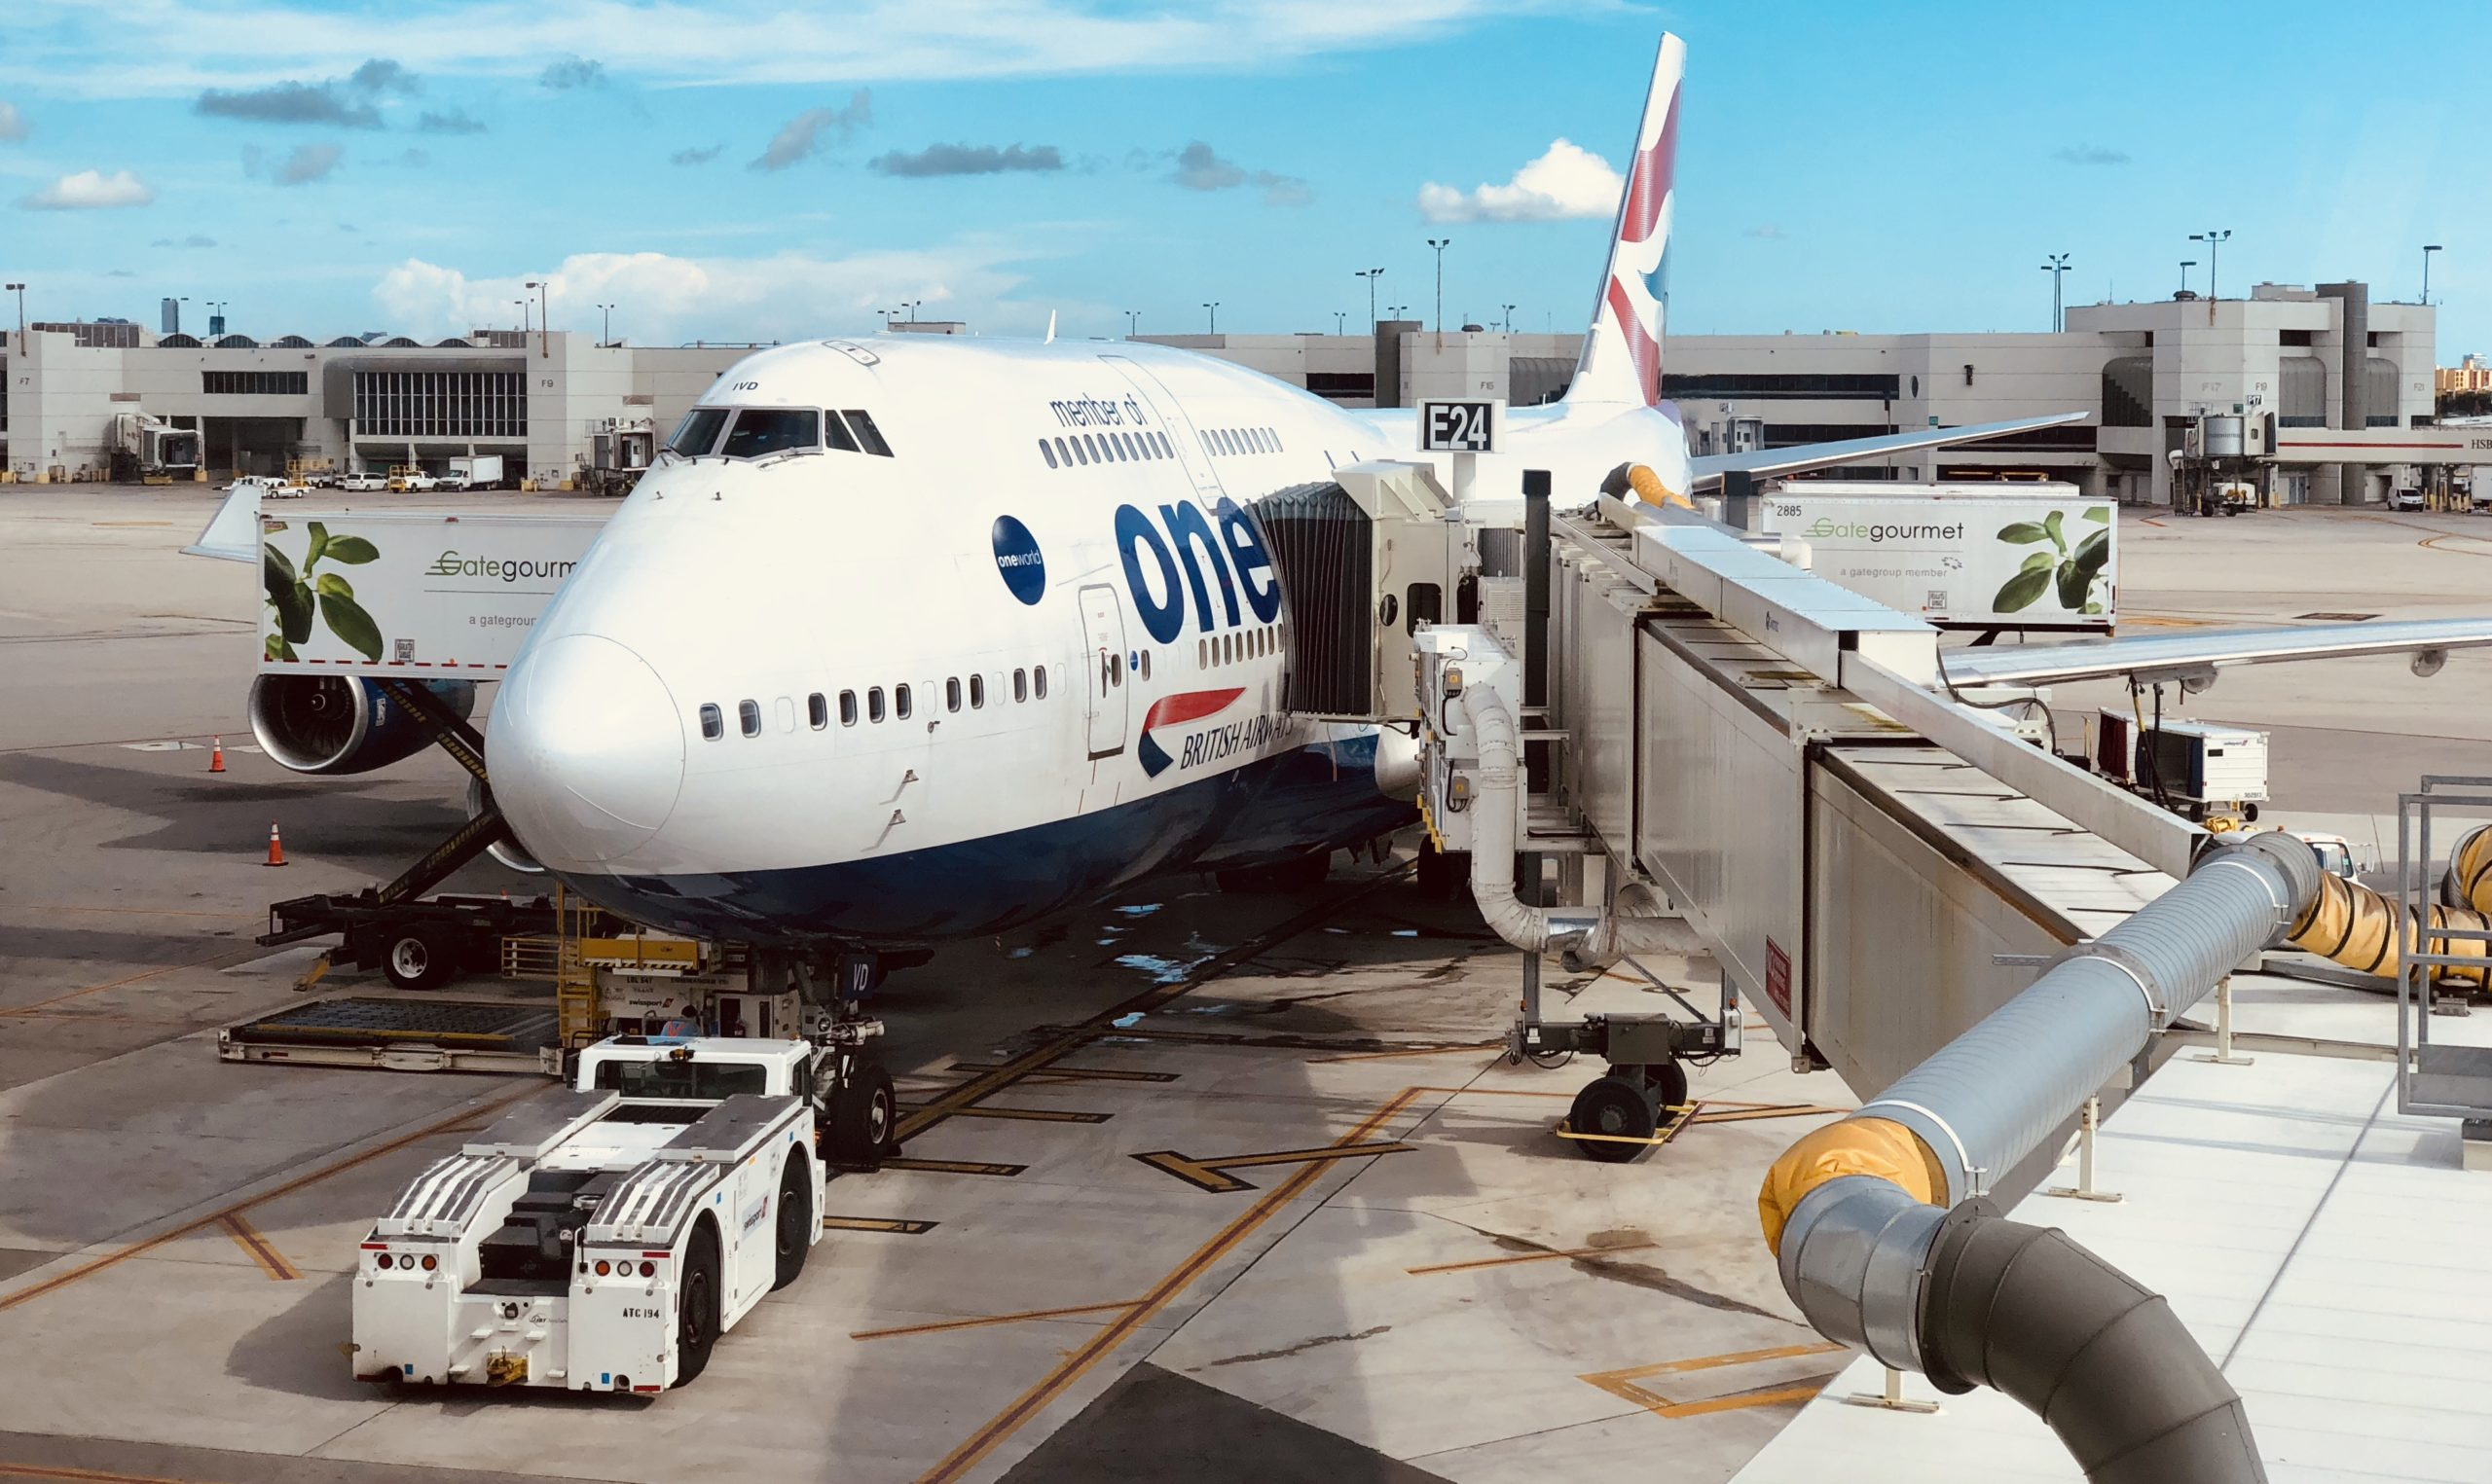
<point>1728,754</point>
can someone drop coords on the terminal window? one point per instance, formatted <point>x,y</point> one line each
<point>255,383</point>
<point>1818,387</point>
<point>441,404</point>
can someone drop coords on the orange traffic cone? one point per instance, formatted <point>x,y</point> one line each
<point>276,846</point>
<point>216,757</point>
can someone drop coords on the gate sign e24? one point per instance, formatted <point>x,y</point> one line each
<point>1461,425</point>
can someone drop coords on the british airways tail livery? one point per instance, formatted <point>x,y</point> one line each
<point>909,639</point>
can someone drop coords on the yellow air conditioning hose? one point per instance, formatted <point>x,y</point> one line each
<point>2352,924</point>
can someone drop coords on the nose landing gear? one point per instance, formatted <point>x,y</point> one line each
<point>856,1112</point>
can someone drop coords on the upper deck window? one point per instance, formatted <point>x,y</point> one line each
<point>698,433</point>
<point>762,430</point>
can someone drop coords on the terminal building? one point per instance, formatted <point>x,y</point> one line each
<point>563,408</point>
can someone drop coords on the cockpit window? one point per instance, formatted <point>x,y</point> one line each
<point>836,430</point>
<point>867,433</point>
<point>698,433</point>
<point>761,430</point>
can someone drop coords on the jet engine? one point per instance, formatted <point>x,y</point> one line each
<point>340,724</point>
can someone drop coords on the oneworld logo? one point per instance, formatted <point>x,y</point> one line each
<point>1018,561</point>
<point>1182,555</point>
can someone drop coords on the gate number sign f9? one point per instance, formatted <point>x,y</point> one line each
<point>1467,427</point>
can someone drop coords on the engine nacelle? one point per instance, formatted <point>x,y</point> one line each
<point>507,850</point>
<point>338,724</point>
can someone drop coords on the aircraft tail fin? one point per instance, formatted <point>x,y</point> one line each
<point>1621,358</point>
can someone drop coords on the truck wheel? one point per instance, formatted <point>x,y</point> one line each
<point>696,1307</point>
<point>795,1222</point>
<point>862,1117</point>
<point>1615,1107</point>
<point>420,958</point>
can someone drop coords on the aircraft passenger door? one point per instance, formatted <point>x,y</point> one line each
<point>1174,423</point>
<point>1102,627</point>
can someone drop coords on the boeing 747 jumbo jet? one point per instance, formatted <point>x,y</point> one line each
<point>909,639</point>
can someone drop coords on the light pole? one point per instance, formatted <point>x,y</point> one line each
<point>545,319</point>
<point>2055,264</point>
<point>2212,239</point>
<point>20,290</point>
<point>1439,244</point>
<point>1212,308</point>
<point>2186,264</point>
<point>2428,248</point>
<point>1340,322</point>
<point>1510,318</point>
<point>912,310</point>
<point>1133,323</point>
<point>1397,310</point>
<point>523,321</point>
<point>606,336</point>
<point>1371,274</point>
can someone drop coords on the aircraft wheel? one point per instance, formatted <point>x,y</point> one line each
<point>1615,1107</point>
<point>863,1114</point>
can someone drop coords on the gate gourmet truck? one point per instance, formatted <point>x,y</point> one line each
<point>602,1239</point>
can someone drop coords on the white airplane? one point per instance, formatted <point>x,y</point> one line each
<point>912,640</point>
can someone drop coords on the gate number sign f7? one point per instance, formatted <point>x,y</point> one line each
<point>1466,426</point>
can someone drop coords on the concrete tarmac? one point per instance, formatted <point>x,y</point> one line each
<point>1200,1184</point>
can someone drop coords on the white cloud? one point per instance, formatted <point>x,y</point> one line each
<point>145,47</point>
<point>92,191</point>
<point>1567,181</point>
<point>12,123</point>
<point>665,299</point>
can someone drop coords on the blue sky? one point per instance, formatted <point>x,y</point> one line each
<point>331,167</point>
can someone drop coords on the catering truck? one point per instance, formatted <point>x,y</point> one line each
<point>602,1238</point>
<point>1999,557</point>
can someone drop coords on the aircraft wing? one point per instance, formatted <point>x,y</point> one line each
<point>2198,655</point>
<point>1766,462</point>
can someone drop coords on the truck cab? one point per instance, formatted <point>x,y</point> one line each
<point>604,1236</point>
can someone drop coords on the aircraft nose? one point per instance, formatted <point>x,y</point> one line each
<point>586,751</point>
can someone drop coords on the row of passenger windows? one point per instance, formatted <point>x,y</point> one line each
<point>1028,684</point>
<point>1229,648</point>
<point>760,430</point>
<point>1241,440</point>
<point>1080,450</point>
<point>1102,448</point>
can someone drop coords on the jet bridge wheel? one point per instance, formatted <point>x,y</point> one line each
<point>1613,1107</point>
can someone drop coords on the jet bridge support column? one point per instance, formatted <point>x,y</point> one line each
<point>1885,1240</point>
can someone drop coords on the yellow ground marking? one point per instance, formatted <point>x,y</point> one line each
<point>1622,1384</point>
<point>262,1251</point>
<point>1025,1114</point>
<point>952,1165</point>
<point>212,961</point>
<point>1074,1073</point>
<point>1469,1048</point>
<point>983,1321</point>
<point>985,1084</point>
<point>1715,1112</point>
<point>1507,1262</point>
<point>986,1439</point>
<point>1207,1173</point>
<point>893,1224</point>
<point>95,1476</point>
<point>96,1265</point>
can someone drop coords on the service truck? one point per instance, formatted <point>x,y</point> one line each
<point>2002,557</point>
<point>478,471</point>
<point>602,1238</point>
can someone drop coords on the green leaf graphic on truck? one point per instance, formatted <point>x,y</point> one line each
<point>298,597</point>
<point>2074,578</point>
